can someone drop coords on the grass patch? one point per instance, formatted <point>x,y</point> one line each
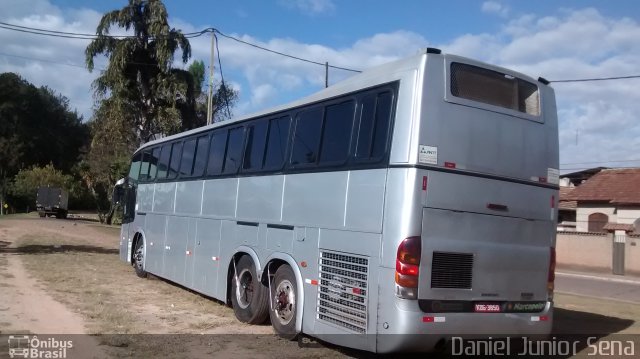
<point>106,229</point>
<point>19,215</point>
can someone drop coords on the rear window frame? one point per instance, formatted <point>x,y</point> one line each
<point>449,97</point>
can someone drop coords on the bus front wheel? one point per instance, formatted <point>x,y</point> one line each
<point>137,259</point>
<point>248,295</point>
<point>284,294</point>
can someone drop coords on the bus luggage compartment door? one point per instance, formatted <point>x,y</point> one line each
<point>480,257</point>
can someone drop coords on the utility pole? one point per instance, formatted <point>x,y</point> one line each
<point>326,74</point>
<point>211,71</point>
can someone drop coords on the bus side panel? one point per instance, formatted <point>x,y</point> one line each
<point>189,248</point>
<point>365,200</point>
<point>144,197</point>
<point>260,198</point>
<point>219,197</point>
<point>207,246</point>
<point>315,198</point>
<point>163,198</point>
<point>175,244</point>
<point>155,234</point>
<point>189,197</point>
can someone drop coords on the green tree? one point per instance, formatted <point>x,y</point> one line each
<point>26,182</point>
<point>139,95</point>
<point>37,127</point>
<point>146,90</point>
<point>224,97</point>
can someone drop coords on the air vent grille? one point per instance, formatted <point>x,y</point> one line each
<point>452,270</point>
<point>342,290</point>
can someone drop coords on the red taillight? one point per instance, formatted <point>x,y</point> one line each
<point>408,262</point>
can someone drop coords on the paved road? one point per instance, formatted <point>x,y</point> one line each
<point>599,286</point>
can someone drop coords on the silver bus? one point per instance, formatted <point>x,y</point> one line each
<point>418,197</point>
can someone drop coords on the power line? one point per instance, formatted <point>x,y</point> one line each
<point>599,79</point>
<point>190,35</point>
<point>45,61</point>
<point>282,53</point>
<point>75,35</point>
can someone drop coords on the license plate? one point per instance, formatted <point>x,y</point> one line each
<point>487,308</point>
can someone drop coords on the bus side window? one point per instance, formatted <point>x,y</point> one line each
<point>134,170</point>
<point>188,154</point>
<point>375,118</point>
<point>216,152</point>
<point>338,123</point>
<point>144,167</point>
<point>256,140</point>
<point>306,138</point>
<point>200,161</point>
<point>163,163</point>
<point>174,164</point>
<point>383,122</point>
<point>277,143</point>
<point>233,155</point>
<point>153,163</point>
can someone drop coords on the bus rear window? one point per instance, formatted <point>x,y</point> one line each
<point>494,88</point>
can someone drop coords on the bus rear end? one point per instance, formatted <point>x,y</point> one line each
<point>473,253</point>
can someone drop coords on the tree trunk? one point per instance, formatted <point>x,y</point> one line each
<point>108,217</point>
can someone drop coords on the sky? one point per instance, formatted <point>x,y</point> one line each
<point>571,39</point>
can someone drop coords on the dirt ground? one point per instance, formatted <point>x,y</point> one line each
<point>65,277</point>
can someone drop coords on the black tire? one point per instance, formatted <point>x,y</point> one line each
<point>251,298</point>
<point>284,293</point>
<point>137,258</point>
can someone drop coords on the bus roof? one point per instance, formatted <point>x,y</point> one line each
<point>365,79</point>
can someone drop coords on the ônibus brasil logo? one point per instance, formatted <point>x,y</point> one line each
<point>24,346</point>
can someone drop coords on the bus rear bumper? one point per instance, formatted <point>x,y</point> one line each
<point>416,331</point>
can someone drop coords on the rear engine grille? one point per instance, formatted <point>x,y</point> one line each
<point>342,290</point>
<point>452,270</point>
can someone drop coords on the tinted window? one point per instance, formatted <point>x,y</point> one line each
<point>277,142</point>
<point>375,120</point>
<point>382,122</point>
<point>153,163</point>
<point>233,154</point>
<point>175,160</point>
<point>163,163</point>
<point>494,88</point>
<point>144,166</point>
<point>256,139</point>
<point>134,170</point>
<point>307,137</point>
<point>188,153</point>
<point>200,162</point>
<point>216,152</point>
<point>336,133</point>
<point>365,132</point>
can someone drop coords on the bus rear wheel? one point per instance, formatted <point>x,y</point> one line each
<point>248,295</point>
<point>284,294</point>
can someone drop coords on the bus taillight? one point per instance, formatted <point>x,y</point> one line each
<point>552,272</point>
<point>408,267</point>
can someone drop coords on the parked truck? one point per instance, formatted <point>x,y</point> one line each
<point>52,201</point>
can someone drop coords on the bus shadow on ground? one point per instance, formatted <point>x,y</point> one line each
<point>52,248</point>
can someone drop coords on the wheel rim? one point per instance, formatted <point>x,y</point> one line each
<point>244,288</point>
<point>138,257</point>
<point>284,302</point>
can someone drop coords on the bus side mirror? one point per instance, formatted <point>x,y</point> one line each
<point>118,194</point>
